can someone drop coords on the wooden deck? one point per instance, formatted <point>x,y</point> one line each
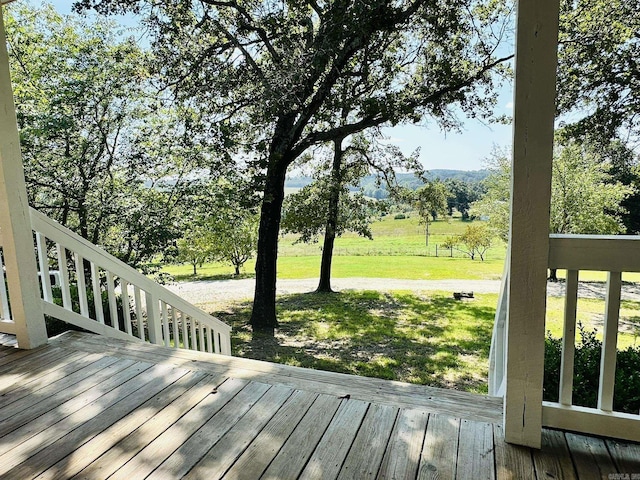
<point>89,407</point>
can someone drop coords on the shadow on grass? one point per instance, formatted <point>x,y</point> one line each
<point>426,339</point>
<point>202,277</point>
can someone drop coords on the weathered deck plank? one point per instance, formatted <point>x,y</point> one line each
<point>45,411</point>
<point>402,457</point>
<point>120,411</point>
<point>129,446</point>
<point>399,394</point>
<point>295,453</point>
<point>475,451</point>
<point>326,460</point>
<point>196,420</point>
<point>440,450</point>
<point>367,451</point>
<point>553,461</point>
<point>590,456</point>
<point>82,426</point>
<point>230,446</point>
<point>60,421</point>
<point>257,457</point>
<point>31,393</point>
<point>626,456</point>
<point>513,462</point>
<point>81,456</point>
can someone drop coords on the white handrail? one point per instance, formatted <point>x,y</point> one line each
<point>161,328</point>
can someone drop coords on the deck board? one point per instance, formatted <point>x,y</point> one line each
<point>367,451</point>
<point>475,451</point>
<point>266,445</point>
<point>295,453</point>
<point>86,407</point>
<point>402,457</point>
<point>440,449</point>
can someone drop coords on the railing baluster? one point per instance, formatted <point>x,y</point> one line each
<point>216,342</point>
<point>102,265</point>
<point>126,305</point>
<point>154,322</point>
<point>201,336</point>
<point>113,304</point>
<point>97,293</point>
<point>64,276</point>
<point>5,314</point>
<point>164,314</point>
<point>225,347</point>
<point>569,338</point>
<point>209,340</point>
<point>43,261</point>
<point>609,342</point>
<point>185,337</point>
<point>192,325</point>
<point>176,331</point>
<point>82,285</point>
<point>139,317</point>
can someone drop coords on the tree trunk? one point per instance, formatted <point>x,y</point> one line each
<point>263,316</point>
<point>237,270</point>
<point>553,275</point>
<point>195,271</point>
<point>324,285</point>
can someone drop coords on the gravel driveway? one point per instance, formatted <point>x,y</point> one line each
<point>217,291</point>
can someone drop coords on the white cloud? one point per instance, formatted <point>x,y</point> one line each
<point>509,106</point>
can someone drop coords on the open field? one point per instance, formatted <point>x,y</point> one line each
<point>397,250</point>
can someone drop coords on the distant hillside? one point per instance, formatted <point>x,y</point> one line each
<point>368,184</point>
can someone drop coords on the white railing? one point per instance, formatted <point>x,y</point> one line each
<point>104,295</point>
<point>615,255</point>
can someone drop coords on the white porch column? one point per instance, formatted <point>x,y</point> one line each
<point>20,262</point>
<point>534,108</point>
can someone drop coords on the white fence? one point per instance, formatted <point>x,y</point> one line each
<point>101,294</point>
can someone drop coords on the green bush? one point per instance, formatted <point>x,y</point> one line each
<point>55,326</point>
<point>399,216</point>
<point>626,395</point>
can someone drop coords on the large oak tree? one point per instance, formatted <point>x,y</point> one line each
<point>268,72</point>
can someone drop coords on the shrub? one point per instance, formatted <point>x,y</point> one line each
<point>626,395</point>
<point>399,216</point>
<point>55,326</point>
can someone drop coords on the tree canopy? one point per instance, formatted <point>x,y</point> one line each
<point>584,198</point>
<point>102,156</point>
<point>598,70</point>
<point>271,76</point>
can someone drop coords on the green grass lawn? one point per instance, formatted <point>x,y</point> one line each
<point>590,313</point>
<point>397,251</point>
<point>425,338</point>
<point>428,339</point>
<point>403,267</point>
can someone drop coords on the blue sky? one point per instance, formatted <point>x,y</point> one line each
<point>465,150</point>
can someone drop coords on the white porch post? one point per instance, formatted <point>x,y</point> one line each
<point>534,108</point>
<point>22,277</point>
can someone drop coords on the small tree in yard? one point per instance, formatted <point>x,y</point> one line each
<point>430,201</point>
<point>475,240</point>
<point>235,238</point>
<point>196,247</point>
<point>330,206</point>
